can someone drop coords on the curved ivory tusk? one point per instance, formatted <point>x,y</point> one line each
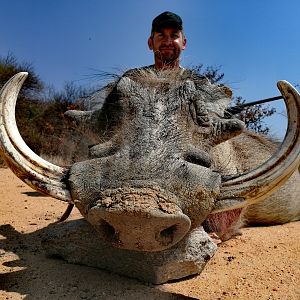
<point>259,183</point>
<point>40,174</point>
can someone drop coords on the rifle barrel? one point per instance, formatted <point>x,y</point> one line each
<point>239,108</point>
<point>260,101</point>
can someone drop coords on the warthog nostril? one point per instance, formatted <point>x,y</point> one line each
<point>107,231</point>
<point>166,236</point>
<point>139,229</point>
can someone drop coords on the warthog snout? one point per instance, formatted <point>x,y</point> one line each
<point>139,220</point>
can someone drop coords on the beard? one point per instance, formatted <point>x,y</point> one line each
<point>167,56</point>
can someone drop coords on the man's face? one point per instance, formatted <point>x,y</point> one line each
<point>167,44</point>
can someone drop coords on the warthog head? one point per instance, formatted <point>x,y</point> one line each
<point>152,180</point>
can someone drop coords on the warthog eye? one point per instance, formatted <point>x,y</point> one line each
<point>102,150</point>
<point>198,157</point>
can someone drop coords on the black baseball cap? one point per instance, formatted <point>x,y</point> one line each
<point>166,19</point>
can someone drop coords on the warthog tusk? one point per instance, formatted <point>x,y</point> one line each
<point>257,184</point>
<point>40,174</point>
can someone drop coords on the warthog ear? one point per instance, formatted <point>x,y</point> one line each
<point>247,188</point>
<point>38,173</point>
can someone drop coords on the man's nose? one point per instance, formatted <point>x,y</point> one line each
<point>168,40</point>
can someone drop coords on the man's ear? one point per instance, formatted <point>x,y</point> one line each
<point>184,43</point>
<point>150,43</point>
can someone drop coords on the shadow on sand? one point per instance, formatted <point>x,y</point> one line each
<point>34,194</point>
<point>31,273</point>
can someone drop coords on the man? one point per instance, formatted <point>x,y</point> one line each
<point>167,40</point>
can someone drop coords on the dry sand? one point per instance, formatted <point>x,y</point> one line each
<point>263,263</point>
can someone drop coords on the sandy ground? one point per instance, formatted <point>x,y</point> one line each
<point>263,263</point>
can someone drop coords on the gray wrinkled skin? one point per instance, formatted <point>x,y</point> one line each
<point>151,180</point>
<point>157,172</point>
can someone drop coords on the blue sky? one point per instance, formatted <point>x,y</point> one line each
<point>256,42</point>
